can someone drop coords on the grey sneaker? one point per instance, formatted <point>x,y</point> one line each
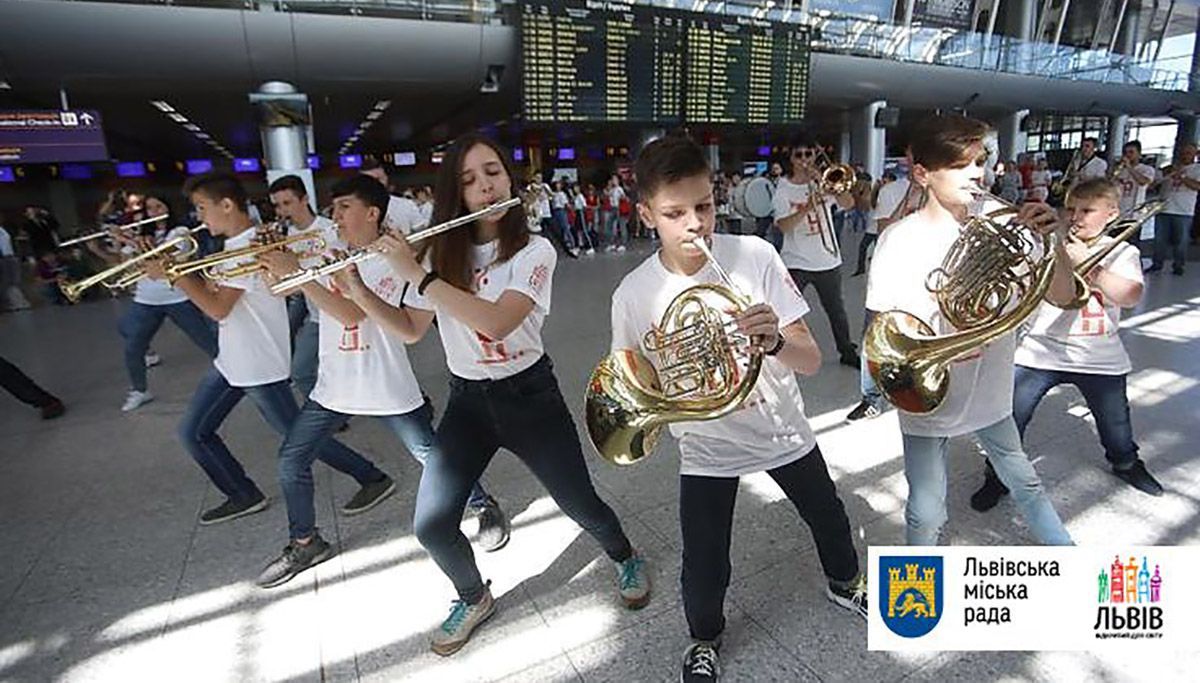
<point>851,596</point>
<point>456,630</point>
<point>295,559</point>
<point>633,583</point>
<point>494,529</point>
<point>231,509</point>
<point>369,496</point>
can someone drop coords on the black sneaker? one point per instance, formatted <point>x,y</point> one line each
<point>369,496</point>
<point>53,409</point>
<point>1137,477</point>
<point>1153,268</point>
<point>1177,270</point>
<point>850,360</point>
<point>851,596</point>
<point>295,559</point>
<point>494,530</point>
<point>990,493</point>
<point>865,410</point>
<point>232,509</point>
<point>701,663</point>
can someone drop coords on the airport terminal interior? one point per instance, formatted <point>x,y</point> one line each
<point>393,318</point>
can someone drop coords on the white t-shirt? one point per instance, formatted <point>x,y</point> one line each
<point>473,355</point>
<point>157,292</point>
<point>327,229</point>
<point>253,340</point>
<point>981,385</point>
<point>769,430</point>
<point>362,369</point>
<point>1040,185</point>
<point>1132,193</point>
<point>1181,201</point>
<point>615,194</point>
<point>6,247</point>
<point>403,214</point>
<point>1083,340</point>
<point>803,248</point>
<point>543,201</point>
<point>579,202</point>
<point>560,200</point>
<point>1092,168</point>
<point>426,210</point>
<point>889,200</point>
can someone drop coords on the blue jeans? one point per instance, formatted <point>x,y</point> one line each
<point>525,414</point>
<point>297,310</point>
<point>141,322</point>
<point>305,345</point>
<point>866,383</point>
<point>215,398</point>
<point>1105,396</point>
<point>314,426</point>
<point>1171,230</point>
<point>925,470</point>
<point>564,227</point>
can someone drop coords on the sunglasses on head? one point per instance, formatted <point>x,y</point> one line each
<point>804,153</point>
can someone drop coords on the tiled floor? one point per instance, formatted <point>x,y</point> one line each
<point>106,575</point>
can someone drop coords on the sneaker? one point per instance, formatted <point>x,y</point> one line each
<point>851,360</point>
<point>856,273</point>
<point>1153,268</point>
<point>494,530</point>
<point>295,559</point>
<point>701,663</point>
<point>1177,270</point>
<point>620,248</point>
<point>369,496</point>
<point>231,509</point>
<point>1137,477</point>
<point>53,409</point>
<point>633,583</point>
<point>865,410</point>
<point>136,399</point>
<point>463,620</point>
<point>851,596</point>
<point>990,493</point>
<point>591,251</point>
<point>152,359</point>
<point>610,249</point>
<point>574,252</point>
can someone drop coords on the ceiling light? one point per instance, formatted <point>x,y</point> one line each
<point>192,127</point>
<point>382,104</point>
<point>162,106</point>
<point>4,84</point>
<point>371,116</point>
<point>177,117</point>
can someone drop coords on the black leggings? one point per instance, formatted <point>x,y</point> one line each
<point>706,517</point>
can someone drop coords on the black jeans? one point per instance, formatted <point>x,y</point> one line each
<point>863,245</point>
<point>706,517</point>
<point>526,414</point>
<point>24,389</point>
<point>829,291</point>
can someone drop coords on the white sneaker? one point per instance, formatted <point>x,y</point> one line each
<point>620,248</point>
<point>590,251</point>
<point>152,359</point>
<point>610,249</point>
<point>136,399</point>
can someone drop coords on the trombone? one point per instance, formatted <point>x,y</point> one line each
<point>1127,223</point>
<point>356,256</point>
<point>105,233</point>
<point>129,271</point>
<point>833,179</point>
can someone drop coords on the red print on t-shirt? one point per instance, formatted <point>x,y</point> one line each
<point>351,339</point>
<point>814,222</point>
<point>387,288</point>
<point>537,279</point>
<point>1093,322</point>
<point>493,352</point>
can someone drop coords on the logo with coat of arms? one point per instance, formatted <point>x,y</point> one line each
<point>910,594</point>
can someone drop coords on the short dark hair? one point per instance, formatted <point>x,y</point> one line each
<point>1096,188</point>
<point>370,164</point>
<point>668,160</point>
<point>365,189</point>
<point>1136,144</point>
<point>941,142</point>
<point>1092,140</point>
<point>289,182</point>
<point>217,186</point>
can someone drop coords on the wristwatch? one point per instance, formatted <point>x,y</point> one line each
<point>774,350</point>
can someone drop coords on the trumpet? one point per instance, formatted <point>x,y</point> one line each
<point>236,263</point>
<point>356,256</point>
<point>105,233</point>
<point>128,272</point>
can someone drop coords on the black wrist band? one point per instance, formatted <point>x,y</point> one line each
<point>774,350</point>
<point>425,281</point>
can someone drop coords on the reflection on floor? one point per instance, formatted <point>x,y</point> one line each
<point>107,576</point>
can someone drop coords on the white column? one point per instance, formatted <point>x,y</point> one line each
<point>1011,140</point>
<point>867,142</point>
<point>1118,133</point>
<point>844,143</point>
<point>713,154</point>
<point>285,147</point>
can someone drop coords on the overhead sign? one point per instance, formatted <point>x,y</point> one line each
<point>878,9</point>
<point>48,136</point>
<point>958,14</point>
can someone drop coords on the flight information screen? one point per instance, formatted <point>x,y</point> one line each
<point>609,61</point>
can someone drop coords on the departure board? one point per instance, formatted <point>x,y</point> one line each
<point>610,61</point>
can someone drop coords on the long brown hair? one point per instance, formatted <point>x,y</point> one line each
<point>450,251</point>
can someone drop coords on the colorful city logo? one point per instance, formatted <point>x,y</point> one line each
<point>910,594</point>
<point>1129,583</point>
